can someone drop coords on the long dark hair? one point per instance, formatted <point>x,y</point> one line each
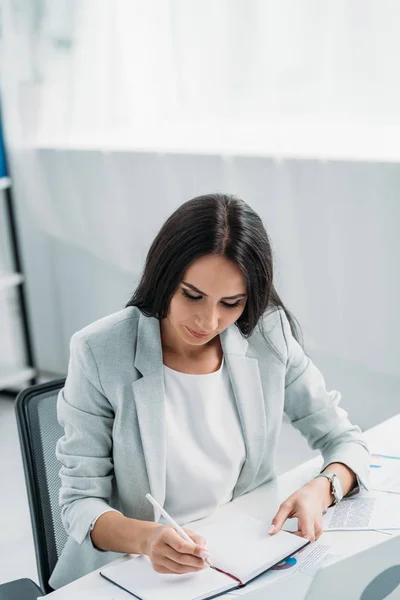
<point>220,224</point>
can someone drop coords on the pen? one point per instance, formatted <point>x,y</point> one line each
<point>171,521</point>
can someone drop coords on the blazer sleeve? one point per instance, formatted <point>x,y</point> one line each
<point>85,449</point>
<point>316,413</point>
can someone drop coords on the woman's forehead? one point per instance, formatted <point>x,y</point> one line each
<point>217,275</point>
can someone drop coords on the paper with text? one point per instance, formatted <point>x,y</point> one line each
<point>366,510</point>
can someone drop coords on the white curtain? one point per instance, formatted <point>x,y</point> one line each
<point>102,71</point>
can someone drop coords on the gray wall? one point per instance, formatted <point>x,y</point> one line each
<point>87,218</point>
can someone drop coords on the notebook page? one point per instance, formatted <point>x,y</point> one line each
<point>138,576</point>
<point>243,548</point>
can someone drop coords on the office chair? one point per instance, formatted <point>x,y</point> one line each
<point>39,430</point>
<point>20,589</point>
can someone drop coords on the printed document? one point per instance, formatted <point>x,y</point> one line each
<point>366,510</point>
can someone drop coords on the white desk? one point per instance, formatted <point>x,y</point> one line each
<point>262,503</point>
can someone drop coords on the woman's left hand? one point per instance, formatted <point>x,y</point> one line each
<point>307,504</point>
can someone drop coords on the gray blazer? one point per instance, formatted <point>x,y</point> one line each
<point>113,450</point>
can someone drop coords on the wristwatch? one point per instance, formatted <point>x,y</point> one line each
<point>336,486</point>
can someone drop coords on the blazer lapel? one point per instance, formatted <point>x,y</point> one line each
<point>149,399</point>
<point>246,383</point>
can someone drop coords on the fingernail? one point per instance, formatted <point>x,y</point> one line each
<point>204,554</point>
<point>271,529</point>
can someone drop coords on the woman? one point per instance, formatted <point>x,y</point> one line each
<point>182,393</point>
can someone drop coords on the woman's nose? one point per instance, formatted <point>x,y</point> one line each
<point>208,321</point>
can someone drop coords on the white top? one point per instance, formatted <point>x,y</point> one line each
<point>205,446</point>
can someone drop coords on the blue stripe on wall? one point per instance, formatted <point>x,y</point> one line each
<point>3,171</point>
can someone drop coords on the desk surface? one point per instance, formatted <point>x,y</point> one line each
<point>262,503</point>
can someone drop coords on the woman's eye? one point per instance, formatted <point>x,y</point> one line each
<point>231,305</point>
<point>189,297</point>
<point>194,298</point>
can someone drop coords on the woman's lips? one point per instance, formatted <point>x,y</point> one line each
<point>197,334</point>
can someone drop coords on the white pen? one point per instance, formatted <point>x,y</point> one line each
<point>174,524</point>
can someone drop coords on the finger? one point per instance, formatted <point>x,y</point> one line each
<point>184,559</point>
<point>179,568</point>
<point>298,532</point>
<point>196,537</point>
<point>161,569</point>
<point>306,526</point>
<point>283,513</point>
<point>177,542</point>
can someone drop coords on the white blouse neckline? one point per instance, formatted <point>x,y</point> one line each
<point>178,373</point>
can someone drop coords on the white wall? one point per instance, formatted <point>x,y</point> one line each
<point>87,219</point>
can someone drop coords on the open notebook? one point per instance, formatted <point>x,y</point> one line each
<point>240,550</point>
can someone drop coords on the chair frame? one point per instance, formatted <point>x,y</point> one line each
<point>30,470</point>
<point>20,588</point>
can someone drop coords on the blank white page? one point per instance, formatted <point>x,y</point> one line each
<point>138,576</point>
<point>243,547</point>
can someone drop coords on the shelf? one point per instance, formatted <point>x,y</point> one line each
<point>14,376</point>
<point>10,280</point>
<point>5,182</point>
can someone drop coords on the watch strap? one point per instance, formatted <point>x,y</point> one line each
<point>330,476</point>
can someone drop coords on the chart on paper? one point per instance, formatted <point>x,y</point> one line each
<point>385,473</point>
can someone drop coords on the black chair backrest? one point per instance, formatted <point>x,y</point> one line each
<point>39,430</point>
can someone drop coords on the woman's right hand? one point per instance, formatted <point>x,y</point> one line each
<point>169,552</point>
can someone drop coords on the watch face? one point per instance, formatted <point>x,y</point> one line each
<point>337,488</point>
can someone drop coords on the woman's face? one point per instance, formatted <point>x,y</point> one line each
<point>211,296</point>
